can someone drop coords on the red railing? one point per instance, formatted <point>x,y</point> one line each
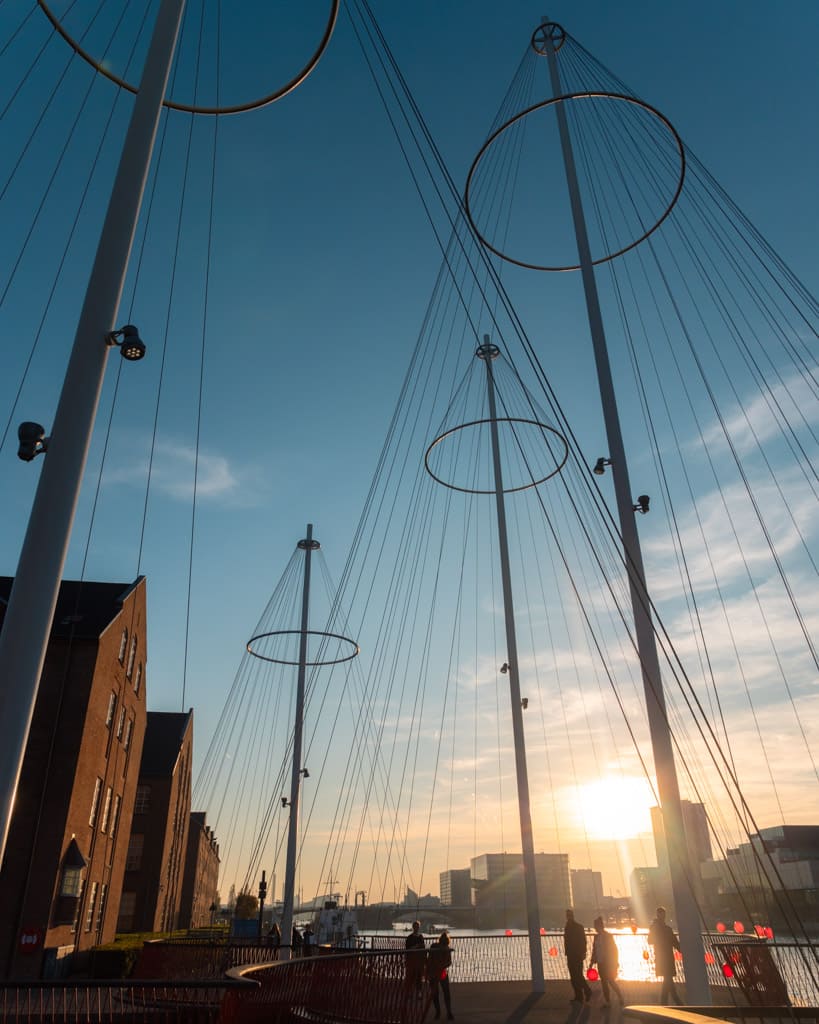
<point>365,987</point>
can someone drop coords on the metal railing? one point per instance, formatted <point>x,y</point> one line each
<point>101,1002</point>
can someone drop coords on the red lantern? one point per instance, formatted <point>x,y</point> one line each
<point>760,931</point>
<point>677,955</point>
<point>592,974</point>
<point>768,933</point>
<point>552,950</point>
<point>645,954</point>
<point>739,927</point>
<point>720,927</point>
<point>709,958</point>
<point>508,931</point>
<point>727,970</point>
<point>542,931</point>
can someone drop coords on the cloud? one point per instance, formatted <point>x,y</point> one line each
<point>174,468</point>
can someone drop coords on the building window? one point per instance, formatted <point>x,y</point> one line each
<point>138,680</point>
<point>143,799</point>
<point>123,646</point>
<point>101,909</point>
<point>127,906</point>
<point>106,810</point>
<point>129,671</point>
<point>112,707</point>
<point>92,900</point>
<point>128,731</point>
<point>133,859</point>
<point>115,815</point>
<point>121,722</point>
<point>95,802</point>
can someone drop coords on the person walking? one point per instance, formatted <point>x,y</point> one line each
<point>438,961</point>
<point>661,936</point>
<point>604,953</point>
<point>574,944</point>
<point>416,956</point>
<point>274,939</point>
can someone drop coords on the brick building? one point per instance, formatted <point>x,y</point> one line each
<point>65,857</point>
<point>152,888</point>
<point>200,882</point>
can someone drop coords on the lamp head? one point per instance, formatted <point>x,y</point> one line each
<point>600,465</point>
<point>32,440</point>
<point>131,346</point>
<point>642,504</point>
<point>504,668</point>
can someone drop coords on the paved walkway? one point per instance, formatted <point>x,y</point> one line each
<point>513,1002</point>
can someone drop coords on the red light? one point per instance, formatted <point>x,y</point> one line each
<point>760,931</point>
<point>739,927</point>
<point>720,927</point>
<point>542,931</point>
<point>709,958</point>
<point>508,931</point>
<point>768,933</point>
<point>592,974</point>
<point>727,970</point>
<point>552,950</point>
<point>645,954</point>
<point>677,955</point>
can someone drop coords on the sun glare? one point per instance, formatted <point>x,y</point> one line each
<point>616,808</point>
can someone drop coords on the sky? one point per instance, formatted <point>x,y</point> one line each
<point>319,270</point>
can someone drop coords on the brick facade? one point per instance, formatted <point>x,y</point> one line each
<point>200,886</point>
<point>65,857</point>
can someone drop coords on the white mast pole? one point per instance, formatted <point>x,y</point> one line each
<point>308,546</point>
<point>488,352</point>
<point>688,918</point>
<point>30,611</point>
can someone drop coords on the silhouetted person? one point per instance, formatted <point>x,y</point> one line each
<point>308,938</point>
<point>295,942</point>
<point>438,961</point>
<point>416,956</point>
<point>574,942</point>
<point>661,936</point>
<point>274,939</point>
<point>604,953</point>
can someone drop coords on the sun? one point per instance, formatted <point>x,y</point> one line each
<point>616,807</point>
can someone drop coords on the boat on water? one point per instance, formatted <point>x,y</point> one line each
<point>336,926</point>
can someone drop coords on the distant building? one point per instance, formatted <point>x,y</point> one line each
<point>750,882</point>
<point>498,892</point>
<point>456,888</point>
<point>587,893</point>
<point>152,888</point>
<point>65,857</point>
<point>697,836</point>
<point>649,890</point>
<point>200,882</point>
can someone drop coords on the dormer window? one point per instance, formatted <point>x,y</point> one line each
<point>129,671</point>
<point>68,899</point>
<point>123,646</point>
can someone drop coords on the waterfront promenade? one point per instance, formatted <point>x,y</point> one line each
<point>513,1002</point>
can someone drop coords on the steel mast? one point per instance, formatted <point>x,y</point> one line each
<point>488,353</point>
<point>688,918</point>
<point>30,611</point>
<point>308,545</point>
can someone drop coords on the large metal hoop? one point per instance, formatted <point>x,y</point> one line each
<point>307,632</point>
<point>500,419</point>
<point>548,103</point>
<point>190,108</point>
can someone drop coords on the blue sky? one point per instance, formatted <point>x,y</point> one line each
<point>322,267</point>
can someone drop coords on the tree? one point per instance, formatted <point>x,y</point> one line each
<point>247,905</point>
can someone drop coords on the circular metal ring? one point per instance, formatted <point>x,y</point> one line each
<point>548,30</point>
<point>191,108</point>
<point>548,103</point>
<point>499,419</point>
<point>306,632</point>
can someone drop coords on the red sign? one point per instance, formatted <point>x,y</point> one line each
<point>31,939</point>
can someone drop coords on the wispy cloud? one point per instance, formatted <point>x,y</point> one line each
<point>175,472</point>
